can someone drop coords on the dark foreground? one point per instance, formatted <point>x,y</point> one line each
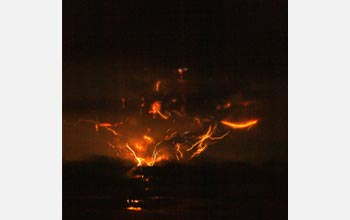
<point>103,189</point>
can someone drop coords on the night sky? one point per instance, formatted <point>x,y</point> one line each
<point>234,50</point>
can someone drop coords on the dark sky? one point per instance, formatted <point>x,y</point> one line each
<point>230,46</point>
<point>210,35</point>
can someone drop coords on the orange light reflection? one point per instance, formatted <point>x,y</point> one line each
<point>132,208</point>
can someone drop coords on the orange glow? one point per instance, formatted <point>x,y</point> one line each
<point>142,102</point>
<point>111,145</point>
<point>178,113</point>
<point>139,147</point>
<point>149,161</point>
<point>182,137</point>
<point>179,153</point>
<point>123,102</point>
<point>224,106</point>
<point>117,124</point>
<point>182,70</point>
<point>111,130</point>
<point>247,103</point>
<point>132,208</point>
<point>105,125</point>
<point>168,137</point>
<point>147,138</point>
<point>202,142</point>
<point>239,125</point>
<point>197,120</point>
<point>102,125</point>
<point>143,150</point>
<point>163,115</point>
<point>227,105</point>
<point>156,87</point>
<point>155,109</point>
<point>134,201</point>
<point>139,161</point>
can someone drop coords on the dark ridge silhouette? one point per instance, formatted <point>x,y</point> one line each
<point>99,188</point>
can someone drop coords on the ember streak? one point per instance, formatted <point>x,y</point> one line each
<point>155,109</point>
<point>166,140</point>
<point>247,124</point>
